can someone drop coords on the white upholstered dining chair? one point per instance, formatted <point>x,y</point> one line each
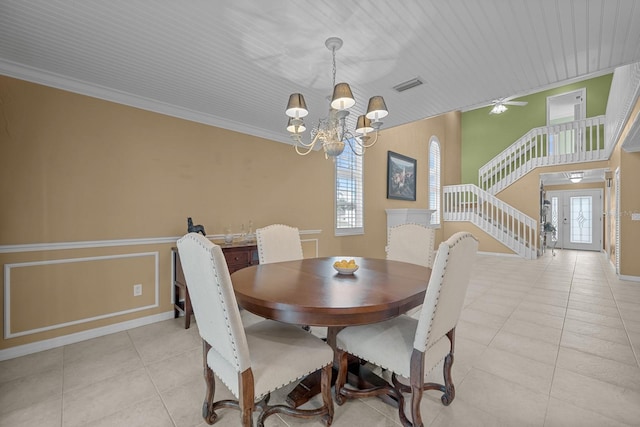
<point>252,361</point>
<point>277,243</point>
<point>413,243</point>
<point>410,347</point>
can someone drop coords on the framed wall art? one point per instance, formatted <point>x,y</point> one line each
<point>401,177</point>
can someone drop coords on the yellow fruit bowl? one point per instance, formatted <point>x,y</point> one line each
<point>345,267</point>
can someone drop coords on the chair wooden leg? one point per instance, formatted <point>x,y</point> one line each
<point>416,379</point>
<point>449,388</point>
<point>247,398</point>
<point>208,412</point>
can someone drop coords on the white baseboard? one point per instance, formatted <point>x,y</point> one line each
<point>629,278</point>
<point>499,254</point>
<point>23,350</point>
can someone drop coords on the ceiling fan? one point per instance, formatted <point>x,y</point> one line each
<point>500,104</point>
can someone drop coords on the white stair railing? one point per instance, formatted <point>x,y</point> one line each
<point>573,142</point>
<point>514,229</point>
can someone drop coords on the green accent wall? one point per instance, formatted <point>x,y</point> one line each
<point>485,135</point>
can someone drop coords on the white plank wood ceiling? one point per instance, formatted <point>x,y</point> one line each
<point>233,64</point>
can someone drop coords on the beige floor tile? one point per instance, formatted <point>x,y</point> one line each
<point>165,339</point>
<point>99,366</point>
<point>177,370</point>
<point>538,318</point>
<point>524,346</point>
<point>543,308</point>
<point>532,330</point>
<point>43,361</point>
<point>27,390</point>
<point>518,369</point>
<point>594,308</point>
<point>596,331</point>
<point>609,302</point>
<point>460,413</point>
<point>598,319</point>
<point>47,413</point>
<point>512,402</point>
<point>84,405</point>
<point>96,347</point>
<point>600,368</point>
<point>483,318</point>
<point>563,414</point>
<point>606,349</point>
<point>618,403</point>
<point>148,413</point>
<point>474,332</point>
<point>492,308</point>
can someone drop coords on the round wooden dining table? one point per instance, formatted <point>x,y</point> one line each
<point>311,292</point>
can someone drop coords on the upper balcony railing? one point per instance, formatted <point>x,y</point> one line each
<point>573,142</point>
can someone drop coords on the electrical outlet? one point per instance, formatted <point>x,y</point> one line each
<point>137,290</point>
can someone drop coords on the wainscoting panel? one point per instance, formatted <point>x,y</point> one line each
<point>52,294</point>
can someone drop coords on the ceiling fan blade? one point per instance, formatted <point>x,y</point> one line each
<point>518,103</point>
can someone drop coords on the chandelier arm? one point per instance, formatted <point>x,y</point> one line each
<point>303,153</point>
<point>353,150</point>
<point>309,146</point>
<point>365,145</point>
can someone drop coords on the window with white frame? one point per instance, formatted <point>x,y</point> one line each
<point>348,195</point>
<point>434,179</point>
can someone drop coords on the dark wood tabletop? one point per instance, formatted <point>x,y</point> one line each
<point>311,292</point>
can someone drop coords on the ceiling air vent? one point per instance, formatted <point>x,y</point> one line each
<point>408,84</point>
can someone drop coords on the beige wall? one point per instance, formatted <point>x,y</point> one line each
<point>79,169</point>
<point>629,167</point>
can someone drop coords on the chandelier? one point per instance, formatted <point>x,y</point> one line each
<point>331,131</point>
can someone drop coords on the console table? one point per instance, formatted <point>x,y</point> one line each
<point>237,256</point>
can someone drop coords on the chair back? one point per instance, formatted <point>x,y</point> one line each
<point>447,289</point>
<point>413,243</point>
<point>213,300</point>
<point>277,243</point>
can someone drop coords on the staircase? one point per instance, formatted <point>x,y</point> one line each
<point>514,229</point>
<point>573,142</point>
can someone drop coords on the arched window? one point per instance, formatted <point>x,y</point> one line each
<point>348,195</point>
<point>434,179</point>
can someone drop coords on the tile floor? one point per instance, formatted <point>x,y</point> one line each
<point>551,342</point>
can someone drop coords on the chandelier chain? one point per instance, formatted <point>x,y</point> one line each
<point>333,53</point>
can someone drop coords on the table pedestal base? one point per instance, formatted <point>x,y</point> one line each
<point>358,376</point>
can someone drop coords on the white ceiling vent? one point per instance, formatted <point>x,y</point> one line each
<point>408,84</point>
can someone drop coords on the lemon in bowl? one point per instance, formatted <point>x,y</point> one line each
<point>345,267</point>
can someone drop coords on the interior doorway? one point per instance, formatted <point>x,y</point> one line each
<point>577,218</point>
<point>565,108</point>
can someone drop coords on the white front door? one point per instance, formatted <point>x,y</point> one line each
<point>577,216</point>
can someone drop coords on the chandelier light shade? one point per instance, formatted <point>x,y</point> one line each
<point>377,109</point>
<point>296,125</point>
<point>296,107</point>
<point>364,125</point>
<point>342,97</point>
<point>331,131</point>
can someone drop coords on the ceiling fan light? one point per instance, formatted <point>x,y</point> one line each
<point>296,107</point>
<point>342,97</point>
<point>296,125</point>
<point>499,108</point>
<point>377,108</point>
<point>576,177</point>
<point>363,125</point>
